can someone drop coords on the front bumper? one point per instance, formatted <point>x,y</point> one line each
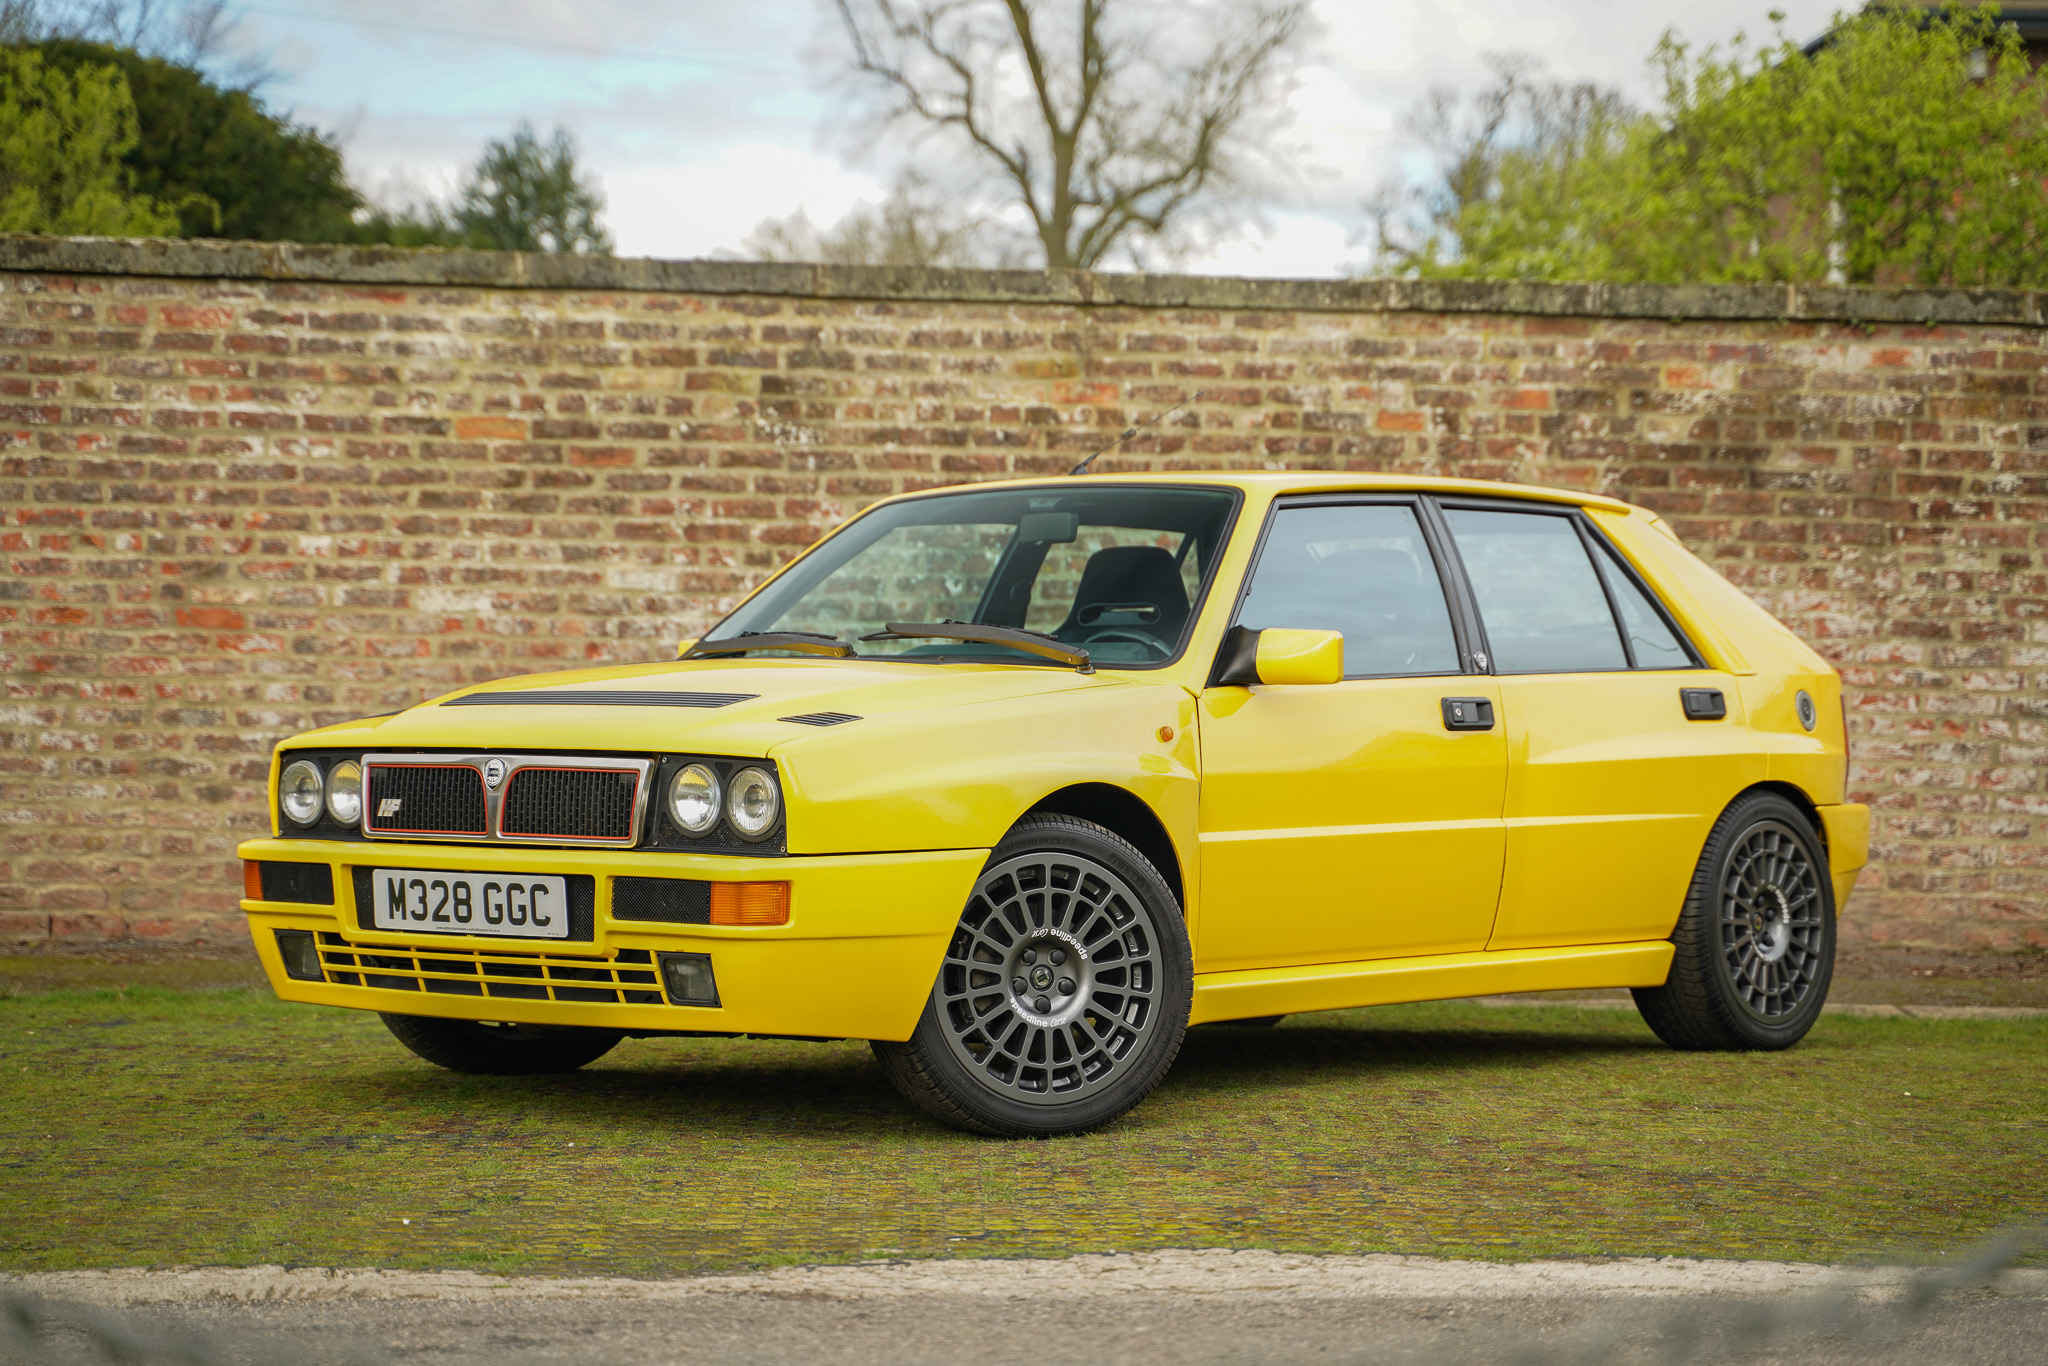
<point>857,959</point>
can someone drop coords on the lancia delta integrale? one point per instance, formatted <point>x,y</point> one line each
<point>1019,781</point>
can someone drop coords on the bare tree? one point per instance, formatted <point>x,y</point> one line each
<point>1112,123</point>
<point>195,33</point>
<point>916,225</point>
<point>1418,225</point>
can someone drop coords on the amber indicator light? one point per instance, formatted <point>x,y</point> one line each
<point>750,903</point>
<point>1165,734</point>
<point>252,879</point>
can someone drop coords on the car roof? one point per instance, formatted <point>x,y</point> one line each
<point>1275,483</point>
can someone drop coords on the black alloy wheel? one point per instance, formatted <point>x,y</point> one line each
<point>500,1050</point>
<point>1064,994</point>
<point>1756,940</point>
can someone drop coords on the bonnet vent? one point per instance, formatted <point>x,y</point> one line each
<point>820,718</point>
<point>594,697</point>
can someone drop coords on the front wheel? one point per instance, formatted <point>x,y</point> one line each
<point>500,1050</point>
<point>1064,995</point>
<point>1756,940</point>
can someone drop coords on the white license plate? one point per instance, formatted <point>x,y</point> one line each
<point>419,900</point>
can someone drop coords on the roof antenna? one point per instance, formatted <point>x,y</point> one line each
<point>1129,432</point>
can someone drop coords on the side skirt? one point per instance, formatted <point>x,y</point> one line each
<point>1388,981</point>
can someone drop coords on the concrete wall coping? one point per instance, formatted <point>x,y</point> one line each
<point>462,269</point>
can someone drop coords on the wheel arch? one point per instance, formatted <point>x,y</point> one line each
<point>1791,793</point>
<point>1127,814</point>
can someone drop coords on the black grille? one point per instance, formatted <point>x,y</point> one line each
<point>592,697</point>
<point>821,718</point>
<point>565,803</point>
<point>439,800</point>
<point>672,900</point>
<point>311,884</point>
<point>627,979</point>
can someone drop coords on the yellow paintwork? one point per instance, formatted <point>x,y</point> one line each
<point>1334,844</point>
<point>1390,981</point>
<point>1299,657</point>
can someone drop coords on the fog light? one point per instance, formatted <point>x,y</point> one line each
<point>750,903</point>
<point>688,979</point>
<point>301,955</point>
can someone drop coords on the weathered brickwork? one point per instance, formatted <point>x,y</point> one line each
<point>232,507</point>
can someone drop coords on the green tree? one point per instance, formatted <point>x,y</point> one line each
<point>62,137</point>
<point>528,196</point>
<point>234,168</point>
<point>1903,151</point>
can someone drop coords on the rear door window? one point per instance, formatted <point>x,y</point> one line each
<point>1538,594</point>
<point>1360,569</point>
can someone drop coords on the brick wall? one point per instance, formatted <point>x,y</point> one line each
<point>245,490</point>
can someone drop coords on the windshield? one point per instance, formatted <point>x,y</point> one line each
<point>1117,571</point>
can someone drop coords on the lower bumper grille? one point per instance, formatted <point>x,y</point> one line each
<point>628,979</point>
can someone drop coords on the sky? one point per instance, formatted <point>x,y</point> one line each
<point>702,118</point>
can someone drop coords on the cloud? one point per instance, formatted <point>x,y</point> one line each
<point>695,207</point>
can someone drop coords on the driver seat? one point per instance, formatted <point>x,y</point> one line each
<point>1134,587</point>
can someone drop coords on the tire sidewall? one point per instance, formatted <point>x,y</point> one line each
<point>1161,1043</point>
<point>1755,1030</point>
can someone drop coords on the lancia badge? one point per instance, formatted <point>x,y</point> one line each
<point>494,772</point>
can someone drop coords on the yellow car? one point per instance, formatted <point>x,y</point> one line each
<point>1019,781</point>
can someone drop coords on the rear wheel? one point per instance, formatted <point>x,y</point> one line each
<point>501,1050</point>
<point>1756,940</point>
<point>1065,992</point>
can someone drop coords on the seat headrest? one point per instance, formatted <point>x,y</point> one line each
<point>1134,574</point>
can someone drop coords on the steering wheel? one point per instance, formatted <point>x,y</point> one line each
<point>1155,649</point>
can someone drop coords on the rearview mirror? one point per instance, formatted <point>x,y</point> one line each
<point>1281,655</point>
<point>683,645</point>
<point>1056,528</point>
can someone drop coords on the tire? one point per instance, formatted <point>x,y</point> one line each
<point>1756,940</point>
<point>500,1050</point>
<point>1032,1049</point>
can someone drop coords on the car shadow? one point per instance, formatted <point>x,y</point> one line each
<point>1300,1051</point>
<point>754,1089</point>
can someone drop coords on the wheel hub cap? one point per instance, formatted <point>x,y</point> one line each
<point>1771,928</point>
<point>1051,981</point>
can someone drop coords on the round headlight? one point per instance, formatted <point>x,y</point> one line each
<point>752,803</point>
<point>693,799</point>
<point>298,791</point>
<point>345,792</point>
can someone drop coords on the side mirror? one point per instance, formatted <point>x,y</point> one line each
<point>1281,655</point>
<point>683,645</point>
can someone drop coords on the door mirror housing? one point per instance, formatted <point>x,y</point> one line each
<point>683,645</point>
<point>1281,655</point>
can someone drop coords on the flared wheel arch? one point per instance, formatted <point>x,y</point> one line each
<point>1126,814</point>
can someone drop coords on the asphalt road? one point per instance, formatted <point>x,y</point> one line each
<point>1170,1307</point>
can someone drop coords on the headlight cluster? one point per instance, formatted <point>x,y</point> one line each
<point>750,800</point>
<point>303,792</point>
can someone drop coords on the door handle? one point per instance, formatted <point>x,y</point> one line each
<point>1468,713</point>
<point>1703,704</point>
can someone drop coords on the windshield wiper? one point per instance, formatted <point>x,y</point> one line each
<point>1016,638</point>
<point>804,642</point>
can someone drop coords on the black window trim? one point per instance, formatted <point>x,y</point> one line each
<point>1591,542</point>
<point>1450,576</point>
<point>1650,595</point>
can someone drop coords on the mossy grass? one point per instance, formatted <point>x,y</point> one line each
<point>147,1126</point>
